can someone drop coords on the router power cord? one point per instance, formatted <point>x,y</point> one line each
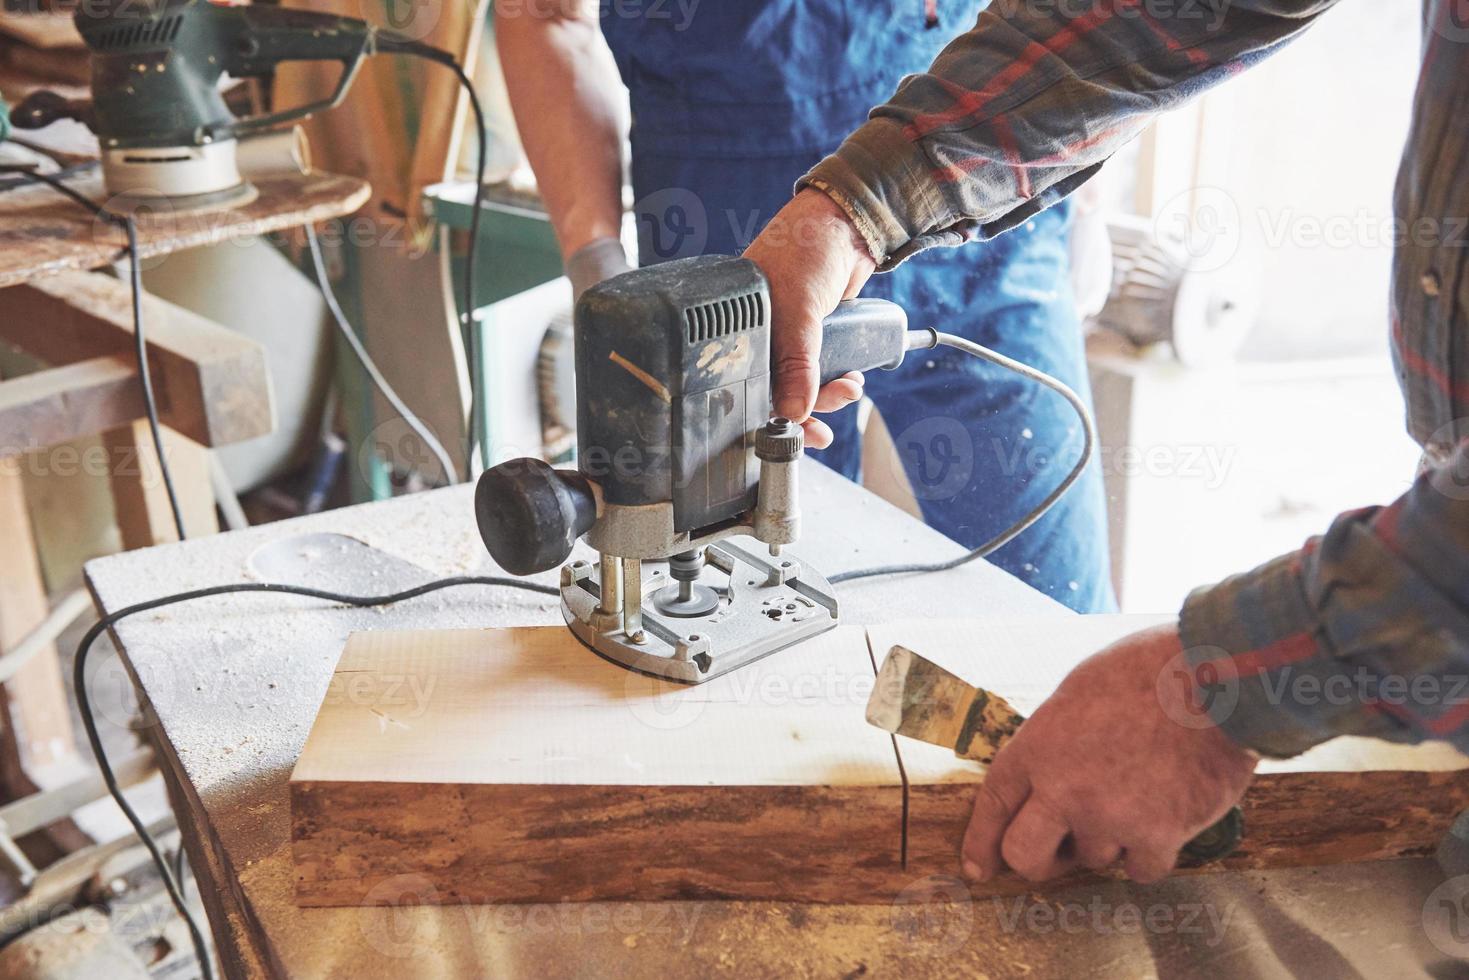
<point>929,339</point>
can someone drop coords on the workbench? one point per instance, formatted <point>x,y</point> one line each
<point>233,684</point>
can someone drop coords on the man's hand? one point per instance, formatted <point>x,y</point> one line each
<point>1114,766</point>
<point>814,259</point>
<point>597,261</point>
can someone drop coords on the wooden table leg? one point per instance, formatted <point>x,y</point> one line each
<point>37,720</point>
<point>143,514</point>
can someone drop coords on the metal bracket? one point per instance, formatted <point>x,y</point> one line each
<point>766,604</point>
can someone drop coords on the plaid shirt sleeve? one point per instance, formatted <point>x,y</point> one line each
<point>1020,111</point>
<point>1364,631</point>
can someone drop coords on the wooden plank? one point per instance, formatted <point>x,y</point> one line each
<point>58,404</point>
<point>70,66</point>
<point>511,765</point>
<point>139,495</point>
<point>1348,800</point>
<point>42,29</point>
<point>515,765</point>
<point>400,124</point>
<point>37,720</point>
<point>93,396</point>
<point>443,107</point>
<point>43,233</point>
<point>213,384</point>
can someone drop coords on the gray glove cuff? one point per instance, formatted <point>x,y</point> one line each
<point>597,260</point>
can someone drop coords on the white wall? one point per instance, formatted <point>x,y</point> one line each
<point>1316,136</point>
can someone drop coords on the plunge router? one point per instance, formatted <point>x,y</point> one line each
<point>679,458</point>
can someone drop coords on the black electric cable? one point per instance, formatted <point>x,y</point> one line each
<point>140,342</point>
<point>89,723</point>
<point>389,43</point>
<point>323,282</point>
<point>919,339</point>
<point>145,376</point>
<point>75,170</point>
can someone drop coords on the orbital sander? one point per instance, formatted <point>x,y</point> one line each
<point>160,118</point>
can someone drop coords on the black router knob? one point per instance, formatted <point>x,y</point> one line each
<point>530,515</point>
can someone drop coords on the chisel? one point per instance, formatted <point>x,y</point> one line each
<point>917,698</point>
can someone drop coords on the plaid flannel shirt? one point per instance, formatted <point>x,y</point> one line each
<point>1365,630</point>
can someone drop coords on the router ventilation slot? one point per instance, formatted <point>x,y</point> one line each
<point>161,31</point>
<point>724,317</point>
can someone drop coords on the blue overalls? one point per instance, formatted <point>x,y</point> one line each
<point>732,100</point>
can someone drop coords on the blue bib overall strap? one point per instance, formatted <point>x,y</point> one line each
<point>731,102</point>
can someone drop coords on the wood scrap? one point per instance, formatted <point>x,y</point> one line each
<point>43,29</point>
<point>139,496</point>
<point>33,704</point>
<point>59,404</point>
<point>71,66</point>
<point>213,383</point>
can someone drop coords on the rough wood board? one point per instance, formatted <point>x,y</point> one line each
<point>43,232</point>
<point>1346,801</point>
<point>400,124</point>
<point>213,384</point>
<point>42,29</point>
<point>37,724</point>
<point>139,495</point>
<point>70,66</point>
<point>514,765</point>
<point>54,405</point>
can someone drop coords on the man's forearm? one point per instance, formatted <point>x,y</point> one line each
<point>1363,632</point>
<point>560,80</point>
<point>1019,111</point>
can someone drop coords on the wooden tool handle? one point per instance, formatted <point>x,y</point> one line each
<point>1220,840</point>
<point>988,726</point>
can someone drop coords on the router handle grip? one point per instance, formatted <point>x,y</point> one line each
<point>862,334</point>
